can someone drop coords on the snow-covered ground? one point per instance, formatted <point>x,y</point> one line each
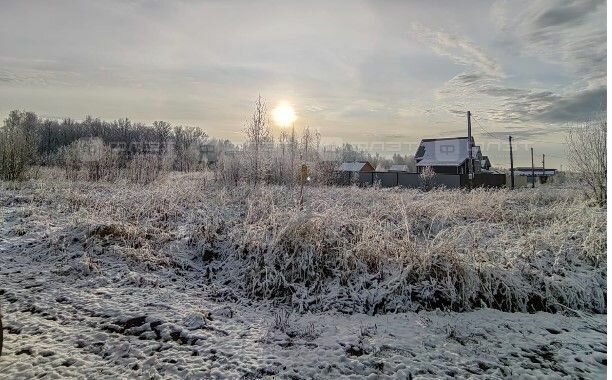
<point>74,310</point>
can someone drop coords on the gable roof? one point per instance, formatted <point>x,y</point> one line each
<point>451,151</point>
<point>485,162</point>
<point>355,166</point>
<point>380,168</point>
<point>398,168</point>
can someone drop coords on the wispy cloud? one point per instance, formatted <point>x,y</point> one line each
<point>568,32</point>
<point>460,50</point>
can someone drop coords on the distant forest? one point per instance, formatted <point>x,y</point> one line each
<point>49,136</point>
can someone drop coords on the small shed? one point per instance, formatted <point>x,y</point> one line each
<point>399,168</point>
<point>381,168</point>
<point>485,163</point>
<point>356,166</point>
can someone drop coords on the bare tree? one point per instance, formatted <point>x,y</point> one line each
<point>282,142</point>
<point>293,145</point>
<point>258,135</point>
<point>18,145</point>
<point>307,138</point>
<point>587,156</point>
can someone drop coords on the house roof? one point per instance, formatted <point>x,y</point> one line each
<point>380,168</point>
<point>484,162</point>
<point>352,166</point>
<point>526,170</point>
<point>443,152</point>
<point>398,168</point>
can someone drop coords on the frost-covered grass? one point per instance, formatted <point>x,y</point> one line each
<point>348,249</point>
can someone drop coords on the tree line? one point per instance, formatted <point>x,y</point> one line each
<point>49,136</point>
<point>28,140</point>
<point>95,149</point>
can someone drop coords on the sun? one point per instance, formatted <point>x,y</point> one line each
<point>284,114</point>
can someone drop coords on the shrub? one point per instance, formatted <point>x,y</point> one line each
<point>143,168</point>
<point>101,163</point>
<point>98,160</point>
<point>17,148</point>
<point>587,150</point>
<point>427,177</point>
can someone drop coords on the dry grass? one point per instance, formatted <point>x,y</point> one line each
<point>351,249</point>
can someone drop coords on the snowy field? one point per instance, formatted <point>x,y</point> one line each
<point>182,279</point>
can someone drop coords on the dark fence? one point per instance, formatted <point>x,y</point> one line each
<point>414,180</point>
<point>490,180</point>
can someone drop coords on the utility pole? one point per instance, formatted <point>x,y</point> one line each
<point>470,168</point>
<point>543,167</point>
<point>532,171</point>
<point>511,164</point>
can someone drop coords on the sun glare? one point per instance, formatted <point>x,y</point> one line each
<point>284,114</point>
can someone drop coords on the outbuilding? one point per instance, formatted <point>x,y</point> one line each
<point>399,168</point>
<point>356,166</point>
<point>541,175</point>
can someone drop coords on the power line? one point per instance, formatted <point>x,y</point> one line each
<point>478,122</point>
<point>489,134</point>
<point>519,139</point>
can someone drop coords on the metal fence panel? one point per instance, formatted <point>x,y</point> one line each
<point>489,180</point>
<point>451,181</point>
<point>413,180</point>
<point>386,179</point>
<point>409,180</point>
<point>365,178</point>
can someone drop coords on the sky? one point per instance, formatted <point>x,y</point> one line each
<point>379,74</point>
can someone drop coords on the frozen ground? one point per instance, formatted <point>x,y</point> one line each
<point>158,324</point>
<point>73,309</point>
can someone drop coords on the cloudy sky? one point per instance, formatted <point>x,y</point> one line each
<point>384,73</point>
